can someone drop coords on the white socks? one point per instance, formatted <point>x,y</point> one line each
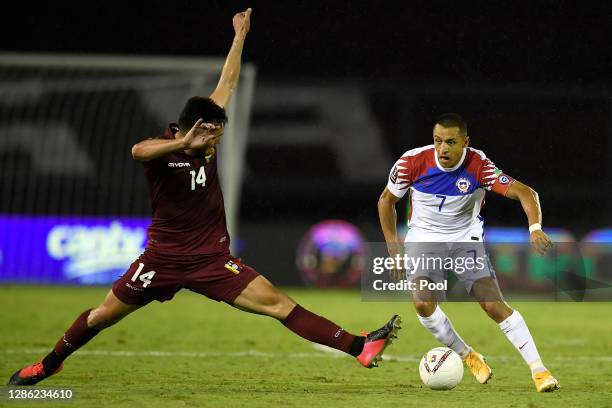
<point>442,329</point>
<point>515,328</point>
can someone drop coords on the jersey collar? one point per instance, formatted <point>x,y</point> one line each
<point>456,166</point>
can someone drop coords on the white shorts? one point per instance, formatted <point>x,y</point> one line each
<point>472,233</point>
<point>433,260</point>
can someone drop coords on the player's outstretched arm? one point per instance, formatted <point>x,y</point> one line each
<point>531,205</point>
<point>231,69</point>
<point>388,222</point>
<point>197,137</point>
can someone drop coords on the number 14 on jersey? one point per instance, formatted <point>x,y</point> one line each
<point>199,179</point>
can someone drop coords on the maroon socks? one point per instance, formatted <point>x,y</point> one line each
<point>76,336</point>
<point>300,321</point>
<point>320,330</point>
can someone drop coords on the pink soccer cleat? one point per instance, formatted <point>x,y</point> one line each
<point>377,341</point>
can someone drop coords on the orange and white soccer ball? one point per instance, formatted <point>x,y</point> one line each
<point>441,369</point>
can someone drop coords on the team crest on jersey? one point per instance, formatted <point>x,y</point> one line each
<point>211,153</point>
<point>463,185</point>
<point>233,266</point>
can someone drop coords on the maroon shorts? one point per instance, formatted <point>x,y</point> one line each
<point>155,277</point>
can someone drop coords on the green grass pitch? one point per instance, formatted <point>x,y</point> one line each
<point>196,352</point>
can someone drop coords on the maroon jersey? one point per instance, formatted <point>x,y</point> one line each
<point>188,211</point>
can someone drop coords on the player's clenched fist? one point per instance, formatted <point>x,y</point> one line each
<point>242,22</point>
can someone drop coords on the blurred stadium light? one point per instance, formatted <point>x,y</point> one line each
<point>317,150</point>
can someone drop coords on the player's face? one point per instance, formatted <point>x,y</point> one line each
<point>449,143</point>
<point>218,132</point>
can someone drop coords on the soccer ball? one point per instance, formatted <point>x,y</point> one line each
<point>441,369</point>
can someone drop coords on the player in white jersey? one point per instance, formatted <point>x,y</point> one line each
<point>447,182</point>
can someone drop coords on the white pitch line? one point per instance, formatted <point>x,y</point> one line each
<point>321,352</point>
<point>390,357</point>
<point>387,357</point>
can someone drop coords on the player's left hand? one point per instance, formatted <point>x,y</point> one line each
<point>396,273</point>
<point>242,22</point>
<point>208,137</point>
<point>540,241</point>
<point>200,135</point>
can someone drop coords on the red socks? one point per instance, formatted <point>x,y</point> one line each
<point>320,330</point>
<point>300,321</point>
<point>76,336</point>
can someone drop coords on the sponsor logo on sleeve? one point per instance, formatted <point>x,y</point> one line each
<point>503,179</point>
<point>394,174</point>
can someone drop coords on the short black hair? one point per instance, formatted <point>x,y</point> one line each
<point>452,120</point>
<point>200,107</point>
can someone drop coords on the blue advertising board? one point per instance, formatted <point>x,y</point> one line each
<point>68,250</point>
<point>97,250</point>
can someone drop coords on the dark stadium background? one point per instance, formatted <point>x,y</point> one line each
<point>532,78</point>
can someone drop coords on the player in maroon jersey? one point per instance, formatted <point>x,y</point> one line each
<point>188,243</point>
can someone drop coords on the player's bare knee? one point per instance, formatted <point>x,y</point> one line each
<point>503,312</point>
<point>423,308</point>
<point>101,318</point>
<point>279,305</point>
<point>487,307</point>
<point>497,311</point>
<point>94,318</point>
<point>285,307</point>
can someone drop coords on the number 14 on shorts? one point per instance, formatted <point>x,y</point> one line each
<point>145,278</point>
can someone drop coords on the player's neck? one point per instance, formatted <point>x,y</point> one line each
<point>455,165</point>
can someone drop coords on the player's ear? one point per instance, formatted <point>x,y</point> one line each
<point>467,141</point>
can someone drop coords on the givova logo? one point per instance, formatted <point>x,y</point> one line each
<point>89,250</point>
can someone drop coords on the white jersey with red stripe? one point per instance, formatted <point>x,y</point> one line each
<point>445,203</point>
